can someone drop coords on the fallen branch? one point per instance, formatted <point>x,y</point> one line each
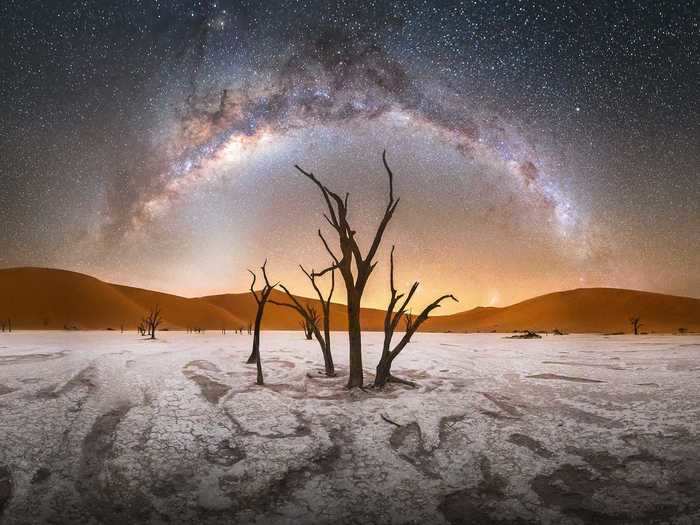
<point>394,379</point>
<point>389,420</point>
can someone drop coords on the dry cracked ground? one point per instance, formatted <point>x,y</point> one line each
<point>110,428</point>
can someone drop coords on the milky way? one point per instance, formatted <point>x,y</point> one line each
<point>335,80</point>
<point>537,147</point>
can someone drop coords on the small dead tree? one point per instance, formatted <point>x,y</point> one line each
<point>141,328</point>
<point>636,324</point>
<point>314,317</point>
<point>355,276</point>
<point>408,320</point>
<point>153,321</point>
<point>324,339</point>
<point>326,308</point>
<point>307,322</point>
<point>261,301</point>
<point>391,321</point>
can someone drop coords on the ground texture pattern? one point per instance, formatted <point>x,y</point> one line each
<point>109,428</point>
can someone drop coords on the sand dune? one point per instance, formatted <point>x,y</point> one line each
<point>581,310</point>
<point>39,298</point>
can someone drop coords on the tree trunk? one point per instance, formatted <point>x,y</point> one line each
<point>327,355</point>
<point>355,341</point>
<point>256,340</point>
<point>383,371</point>
<point>258,365</point>
<point>325,344</point>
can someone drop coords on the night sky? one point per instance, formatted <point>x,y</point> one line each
<point>536,146</point>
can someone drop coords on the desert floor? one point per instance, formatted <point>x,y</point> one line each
<point>108,427</point>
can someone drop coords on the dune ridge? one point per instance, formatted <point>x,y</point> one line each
<point>42,298</point>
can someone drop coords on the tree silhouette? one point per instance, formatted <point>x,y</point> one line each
<point>153,321</point>
<point>636,324</point>
<point>355,282</point>
<point>326,308</point>
<point>261,302</point>
<point>307,323</point>
<point>391,321</point>
<point>324,339</point>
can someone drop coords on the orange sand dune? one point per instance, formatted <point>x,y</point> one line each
<point>581,310</point>
<point>39,298</point>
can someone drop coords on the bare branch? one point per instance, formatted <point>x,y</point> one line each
<point>286,305</point>
<point>389,420</point>
<point>391,271</point>
<point>411,292</point>
<point>328,248</point>
<point>252,286</point>
<point>415,324</point>
<point>335,227</point>
<point>324,191</point>
<point>264,272</point>
<point>330,294</point>
<point>294,300</point>
<point>391,176</point>
<point>394,379</point>
<point>326,270</point>
<point>388,213</point>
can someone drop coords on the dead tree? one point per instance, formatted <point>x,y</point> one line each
<point>141,328</point>
<point>153,321</point>
<point>635,322</point>
<point>326,308</point>
<point>408,319</point>
<point>307,323</point>
<point>391,321</point>
<point>307,326</point>
<point>355,281</point>
<point>324,339</point>
<point>261,301</point>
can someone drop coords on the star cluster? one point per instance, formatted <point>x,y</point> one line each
<point>537,145</point>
